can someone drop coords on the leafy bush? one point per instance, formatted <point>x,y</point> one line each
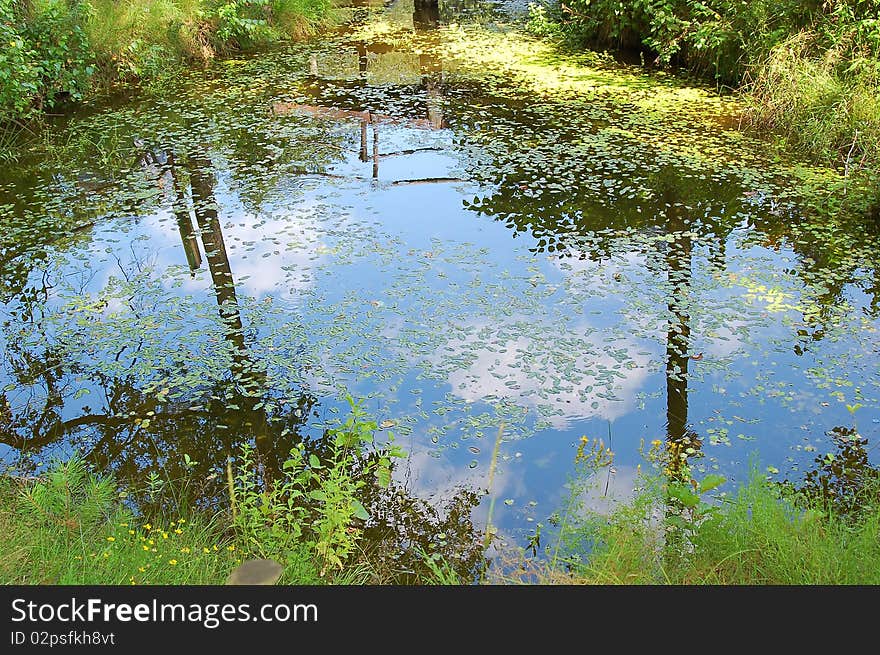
<point>317,502</point>
<point>52,48</point>
<point>45,54</point>
<point>810,70</point>
<point>819,89</point>
<point>717,37</point>
<point>239,23</point>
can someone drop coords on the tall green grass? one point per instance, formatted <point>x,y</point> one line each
<point>823,99</point>
<point>145,39</point>
<point>134,40</point>
<point>71,527</point>
<point>759,535</point>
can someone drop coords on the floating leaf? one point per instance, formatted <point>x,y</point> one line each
<point>710,482</point>
<point>359,511</point>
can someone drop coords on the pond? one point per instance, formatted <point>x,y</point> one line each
<point>498,248</point>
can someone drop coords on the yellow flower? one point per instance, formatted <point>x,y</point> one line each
<point>178,531</point>
<point>147,526</point>
<point>230,548</point>
<point>142,569</point>
<point>181,521</point>
<point>131,532</point>
<point>111,538</point>
<point>656,442</point>
<point>145,547</point>
<point>205,549</point>
<point>215,547</point>
<point>185,549</point>
<point>164,535</point>
<point>151,542</point>
<point>172,562</point>
<point>123,525</point>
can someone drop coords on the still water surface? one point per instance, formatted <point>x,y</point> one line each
<point>470,232</point>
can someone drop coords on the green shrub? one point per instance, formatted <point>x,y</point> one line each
<point>821,92</point>
<point>809,70</point>
<point>51,49</point>
<point>317,501</point>
<point>45,54</point>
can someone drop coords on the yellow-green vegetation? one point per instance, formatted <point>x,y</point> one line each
<point>73,527</point>
<point>70,526</point>
<point>680,528</point>
<point>55,49</point>
<point>135,39</point>
<point>759,536</point>
<point>678,119</point>
<point>809,70</point>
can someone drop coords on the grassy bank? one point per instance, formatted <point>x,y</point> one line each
<point>63,49</point>
<point>72,527</point>
<point>758,536</point>
<point>678,528</point>
<point>810,71</point>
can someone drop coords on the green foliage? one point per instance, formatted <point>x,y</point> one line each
<point>811,69</point>
<point>719,37</point>
<point>762,534</point>
<point>70,526</point>
<point>543,21</point>
<point>53,48</point>
<point>819,88</point>
<point>44,56</point>
<point>441,571</point>
<point>70,498</point>
<point>239,22</point>
<point>135,40</point>
<point>318,501</point>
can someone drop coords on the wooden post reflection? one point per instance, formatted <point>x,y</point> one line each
<point>431,69</point>
<point>246,374</point>
<point>184,220</point>
<point>375,146</point>
<point>205,207</point>
<point>361,48</point>
<point>678,332</point>
<point>682,443</point>
<point>363,154</point>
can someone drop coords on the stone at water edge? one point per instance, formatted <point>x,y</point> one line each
<point>256,572</point>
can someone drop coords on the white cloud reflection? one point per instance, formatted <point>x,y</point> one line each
<point>601,381</point>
